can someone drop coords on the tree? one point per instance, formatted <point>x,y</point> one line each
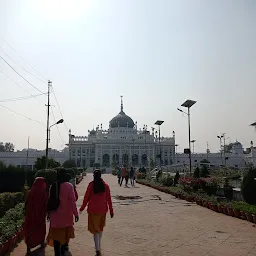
<point>69,163</point>
<point>204,172</point>
<point>197,173</point>
<point>8,147</point>
<point>248,187</point>
<point>1,147</point>
<point>41,162</point>
<point>176,178</point>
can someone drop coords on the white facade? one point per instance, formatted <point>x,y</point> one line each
<point>20,158</point>
<point>122,143</point>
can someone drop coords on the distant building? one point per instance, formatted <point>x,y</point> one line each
<point>122,143</point>
<point>19,158</point>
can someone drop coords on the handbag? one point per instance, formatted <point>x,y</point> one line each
<point>54,199</point>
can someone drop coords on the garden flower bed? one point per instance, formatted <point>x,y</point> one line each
<point>11,228</point>
<point>238,209</point>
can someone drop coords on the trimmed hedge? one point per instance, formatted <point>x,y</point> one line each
<point>12,179</point>
<point>11,222</point>
<point>50,175</point>
<point>9,200</point>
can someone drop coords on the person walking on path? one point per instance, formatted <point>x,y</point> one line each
<point>132,175</point>
<point>124,175</point>
<point>62,218</point>
<point>118,173</point>
<point>35,215</point>
<point>98,199</point>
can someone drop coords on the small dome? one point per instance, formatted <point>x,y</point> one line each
<point>121,120</point>
<point>93,132</point>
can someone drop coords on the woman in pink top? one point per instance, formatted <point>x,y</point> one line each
<point>98,198</point>
<point>62,219</point>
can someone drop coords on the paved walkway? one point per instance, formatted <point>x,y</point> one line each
<point>153,227</point>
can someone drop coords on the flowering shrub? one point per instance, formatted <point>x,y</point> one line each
<point>209,185</point>
<point>190,183</point>
<point>186,183</point>
<point>141,176</point>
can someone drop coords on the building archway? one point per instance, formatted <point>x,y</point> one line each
<point>125,159</point>
<point>105,160</point>
<point>135,159</point>
<point>115,159</point>
<point>144,160</point>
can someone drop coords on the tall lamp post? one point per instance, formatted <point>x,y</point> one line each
<point>220,138</point>
<point>48,140</point>
<point>159,123</point>
<point>188,104</point>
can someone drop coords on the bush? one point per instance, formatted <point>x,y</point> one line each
<point>204,172</point>
<point>114,172</point>
<point>166,181</point>
<point>159,175</point>
<point>197,173</point>
<point>176,178</point>
<point>12,179</point>
<point>244,207</point>
<point>11,222</point>
<point>228,191</point>
<point>248,187</point>
<point>50,176</point>
<point>209,185</point>
<point>9,200</point>
<point>141,176</point>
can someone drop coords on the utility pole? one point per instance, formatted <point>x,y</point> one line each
<point>207,151</point>
<point>48,128</point>
<point>224,148</point>
<point>26,172</point>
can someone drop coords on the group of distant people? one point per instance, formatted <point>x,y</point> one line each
<point>124,173</point>
<point>58,205</point>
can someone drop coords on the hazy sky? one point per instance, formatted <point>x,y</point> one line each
<point>157,53</point>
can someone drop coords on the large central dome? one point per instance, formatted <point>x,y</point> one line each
<point>121,120</point>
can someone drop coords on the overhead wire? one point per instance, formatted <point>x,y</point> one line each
<point>22,98</point>
<point>40,79</point>
<point>20,74</point>
<point>54,119</point>
<point>62,140</point>
<point>17,113</point>
<point>59,108</point>
<point>18,84</point>
<point>25,60</point>
<point>22,66</point>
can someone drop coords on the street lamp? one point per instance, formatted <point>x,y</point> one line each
<point>220,138</point>
<point>159,123</point>
<point>188,104</point>
<point>48,140</point>
<point>193,142</point>
<point>176,153</point>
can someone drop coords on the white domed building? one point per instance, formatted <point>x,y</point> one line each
<point>122,143</point>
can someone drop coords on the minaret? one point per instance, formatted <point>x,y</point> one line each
<point>122,105</point>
